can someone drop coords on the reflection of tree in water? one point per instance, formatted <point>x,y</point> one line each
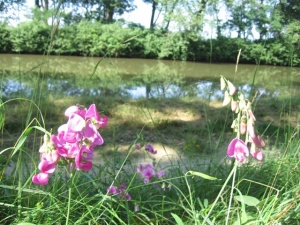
<point>160,80</point>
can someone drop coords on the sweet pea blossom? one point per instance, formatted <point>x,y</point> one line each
<point>243,125</point>
<point>148,172</point>
<point>150,149</point>
<point>73,144</point>
<point>47,166</point>
<point>114,190</point>
<point>93,115</point>
<point>40,179</point>
<point>238,149</point>
<point>256,153</point>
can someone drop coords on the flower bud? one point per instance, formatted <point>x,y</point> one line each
<point>243,125</point>
<point>231,87</point>
<point>234,106</point>
<point>223,83</point>
<point>227,98</point>
<point>250,128</point>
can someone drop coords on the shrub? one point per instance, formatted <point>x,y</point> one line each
<point>30,37</point>
<point>5,43</point>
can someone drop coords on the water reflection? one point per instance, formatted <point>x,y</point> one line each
<point>135,78</point>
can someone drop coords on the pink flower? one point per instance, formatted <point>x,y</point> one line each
<point>256,153</point>
<point>113,190</point>
<point>150,149</point>
<point>148,172</point>
<point>238,149</point>
<point>93,115</point>
<point>82,159</point>
<point>40,179</point>
<point>160,174</point>
<point>74,143</point>
<point>92,135</point>
<point>76,123</point>
<point>47,167</point>
<point>51,156</point>
<point>71,110</point>
<point>75,109</point>
<point>257,141</point>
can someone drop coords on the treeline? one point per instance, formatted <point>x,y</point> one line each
<point>132,41</point>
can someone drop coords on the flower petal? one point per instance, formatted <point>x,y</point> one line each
<point>47,167</point>
<point>40,179</point>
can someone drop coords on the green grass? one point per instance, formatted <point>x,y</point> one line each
<point>190,134</point>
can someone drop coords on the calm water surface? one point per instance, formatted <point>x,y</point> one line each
<point>137,78</point>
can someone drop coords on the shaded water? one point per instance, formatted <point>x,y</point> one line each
<point>137,78</point>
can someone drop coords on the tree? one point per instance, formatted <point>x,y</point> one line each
<point>6,5</point>
<point>154,4</point>
<point>119,7</point>
<point>290,9</point>
<point>42,4</point>
<point>240,19</point>
<point>99,10</point>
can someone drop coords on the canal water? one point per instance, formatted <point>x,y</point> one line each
<point>138,78</point>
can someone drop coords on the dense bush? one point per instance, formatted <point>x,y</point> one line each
<point>5,44</point>
<point>118,40</point>
<point>30,37</point>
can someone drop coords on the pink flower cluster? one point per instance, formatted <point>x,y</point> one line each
<point>74,143</point>
<point>244,124</point>
<point>148,172</point>
<point>239,149</point>
<point>114,190</point>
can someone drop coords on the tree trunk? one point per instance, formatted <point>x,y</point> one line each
<point>109,15</point>
<point>46,5</point>
<point>152,15</point>
<point>171,11</point>
<point>37,4</point>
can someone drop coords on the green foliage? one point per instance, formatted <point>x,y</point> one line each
<point>5,43</point>
<point>277,54</point>
<point>97,39</point>
<point>64,43</point>
<point>30,37</point>
<point>116,40</point>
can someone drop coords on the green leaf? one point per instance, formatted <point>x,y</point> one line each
<point>2,114</point>
<point>269,200</point>
<point>22,139</point>
<point>247,200</point>
<point>199,174</point>
<point>26,223</point>
<point>177,219</point>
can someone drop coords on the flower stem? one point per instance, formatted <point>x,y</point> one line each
<point>221,191</point>
<point>231,192</point>
<point>69,205</point>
